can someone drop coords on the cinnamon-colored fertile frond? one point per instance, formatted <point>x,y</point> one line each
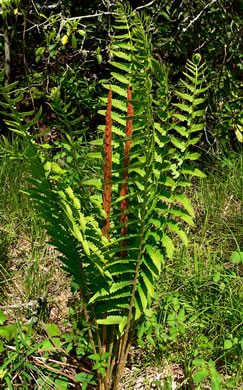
<point>108,166</point>
<point>124,188</point>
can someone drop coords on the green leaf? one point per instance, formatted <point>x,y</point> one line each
<point>120,78</point>
<point>186,202</point>
<point>237,257</point>
<point>85,379</point>
<point>48,345</point>
<point>122,66</point>
<point>184,96</point>
<point>3,318</point>
<point>183,107</point>
<point>198,362</point>
<point>52,329</point>
<point>2,349</point>
<point>197,127</point>
<point>192,156</point>
<point>193,171</point>
<point>7,332</point>
<point>228,344</point>
<point>174,227</point>
<point>110,320</point>
<point>168,244</point>
<point>217,277</point>
<point>34,120</point>
<point>149,284</point>
<point>156,257</point>
<point>62,384</point>
<point>105,355</point>
<point>200,375</point>
<point>122,54</point>
<point>181,315</point>
<point>180,117</point>
<point>115,88</point>
<point>74,42</point>
<point>215,382</point>
<point>95,356</point>
<point>143,297</point>
<point>94,182</point>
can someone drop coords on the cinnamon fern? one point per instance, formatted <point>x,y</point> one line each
<point>114,235</point>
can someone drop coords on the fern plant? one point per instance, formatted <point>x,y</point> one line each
<point>114,235</point>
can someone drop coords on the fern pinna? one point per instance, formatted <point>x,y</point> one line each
<point>114,234</point>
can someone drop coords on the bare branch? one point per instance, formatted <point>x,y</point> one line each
<point>145,5</point>
<point>198,16</point>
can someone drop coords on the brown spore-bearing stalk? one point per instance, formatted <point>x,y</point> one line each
<point>124,188</point>
<point>108,166</point>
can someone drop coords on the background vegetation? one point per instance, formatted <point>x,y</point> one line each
<point>61,50</point>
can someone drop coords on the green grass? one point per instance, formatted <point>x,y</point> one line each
<point>197,313</point>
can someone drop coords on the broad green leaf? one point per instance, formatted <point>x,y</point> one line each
<point>7,332</point>
<point>198,362</point>
<point>2,349</point>
<point>200,375</point>
<point>181,315</point>
<point>97,142</point>
<point>47,344</point>
<point>105,355</point>
<point>217,277</point>
<point>3,318</point>
<point>52,329</point>
<point>237,257</point>
<point>215,383</point>
<point>95,356</point>
<point>62,384</point>
<point>228,344</point>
